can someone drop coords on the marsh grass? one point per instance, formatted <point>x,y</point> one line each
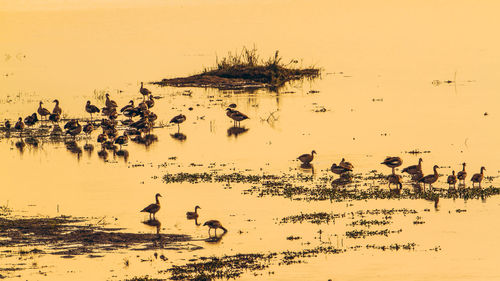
<point>245,69</point>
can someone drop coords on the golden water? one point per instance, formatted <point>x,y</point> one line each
<point>391,50</point>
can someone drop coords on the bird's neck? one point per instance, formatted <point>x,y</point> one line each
<point>157,201</point>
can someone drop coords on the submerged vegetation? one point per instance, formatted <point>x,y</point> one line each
<point>245,70</point>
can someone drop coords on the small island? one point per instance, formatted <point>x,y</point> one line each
<point>245,71</point>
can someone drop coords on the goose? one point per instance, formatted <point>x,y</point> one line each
<point>110,103</point>
<point>478,178</point>
<point>7,124</point>
<point>307,158</point>
<point>462,174</point>
<point>452,179</point>
<point>346,164</point>
<point>87,129</point>
<point>392,162</point>
<point>90,108</point>
<point>236,116</point>
<point>42,111</point>
<point>54,117</point>
<point>122,140</point>
<point>395,179</point>
<point>152,209</point>
<point>414,170</point>
<point>31,120</point>
<point>19,125</point>
<point>145,92</point>
<point>130,105</point>
<point>214,224</point>
<point>178,120</point>
<point>74,130</point>
<point>57,109</point>
<point>339,170</point>
<point>193,215</point>
<point>430,179</point>
<point>150,103</point>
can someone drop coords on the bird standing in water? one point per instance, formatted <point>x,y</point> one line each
<point>478,178</point>
<point>144,92</point>
<point>430,179</point>
<point>414,170</point>
<point>452,180</point>
<point>462,175</point>
<point>214,224</point>
<point>42,110</point>
<point>152,209</point>
<point>392,162</point>
<point>90,108</point>
<point>178,120</point>
<point>57,109</point>
<point>307,158</point>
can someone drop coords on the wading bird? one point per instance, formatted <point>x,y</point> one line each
<point>414,170</point>
<point>90,108</point>
<point>57,109</point>
<point>307,158</point>
<point>392,162</point>
<point>214,224</point>
<point>430,179</point>
<point>152,209</point>
<point>42,110</point>
<point>145,92</point>
<point>178,120</point>
<point>478,178</point>
<point>452,179</point>
<point>462,174</point>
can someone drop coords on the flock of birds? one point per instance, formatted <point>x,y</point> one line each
<point>415,171</point>
<point>138,131</point>
<point>153,208</point>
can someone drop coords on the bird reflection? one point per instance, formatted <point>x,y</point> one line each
<point>193,215</point>
<point>73,147</point>
<point>32,141</point>
<point>342,180</point>
<point>122,153</point>
<point>20,145</point>
<point>235,131</point>
<point>179,136</point>
<point>307,167</point>
<point>154,223</point>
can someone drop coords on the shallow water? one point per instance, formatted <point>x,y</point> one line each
<point>379,64</point>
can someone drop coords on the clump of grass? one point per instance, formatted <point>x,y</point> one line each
<point>245,70</point>
<point>248,65</point>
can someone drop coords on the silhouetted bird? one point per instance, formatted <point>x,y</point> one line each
<point>152,209</point>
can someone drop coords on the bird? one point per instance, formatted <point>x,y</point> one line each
<point>395,179</point>
<point>462,174</point>
<point>236,116</point>
<point>178,120</point>
<point>452,179</point>
<point>430,179</point>
<point>121,140</point>
<point>7,124</point>
<point>214,224</point>
<point>87,129</point>
<point>392,162</point>
<point>54,117</point>
<point>90,108</point>
<point>339,170</point>
<point>478,178</point>
<point>75,129</point>
<point>57,109</point>
<point>307,158</point>
<point>110,103</point>
<point>31,120</point>
<point>130,105</point>
<point>346,164</point>
<point>150,103</point>
<point>153,208</point>
<point>414,170</point>
<point>145,92</point>
<point>193,215</point>
<point>42,110</point>
<point>19,125</point>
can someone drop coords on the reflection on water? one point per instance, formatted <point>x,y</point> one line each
<point>235,131</point>
<point>179,136</point>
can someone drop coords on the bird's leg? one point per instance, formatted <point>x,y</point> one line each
<point>178,128</point>
<point>209,232</point>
